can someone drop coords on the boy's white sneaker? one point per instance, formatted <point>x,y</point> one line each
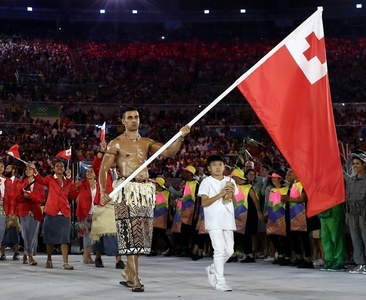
<point>211,276</point>
<point>223,287</point>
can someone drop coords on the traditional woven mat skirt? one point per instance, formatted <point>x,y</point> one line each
<point>57,230</point>
<point>134,212</point>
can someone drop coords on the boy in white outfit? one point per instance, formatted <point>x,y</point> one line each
<point>216,193</point>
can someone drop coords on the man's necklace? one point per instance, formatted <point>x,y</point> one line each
<point>132,139</point>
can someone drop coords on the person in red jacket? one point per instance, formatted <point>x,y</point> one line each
<point>2,209</point>
<point>107,242</point>
<point>11,236</point>
<point>89,194</point>
<point>57,221</point>
<point>29,197</point>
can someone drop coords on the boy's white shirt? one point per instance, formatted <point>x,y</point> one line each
<point>220,214</point>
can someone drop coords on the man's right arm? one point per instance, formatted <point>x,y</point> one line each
<point>98,158</point>
<point>107,162</point>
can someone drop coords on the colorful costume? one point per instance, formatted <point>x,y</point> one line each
<point>161,210</point>
<point>276,212</point>
<point>177,221</point>
<point>188,201</point>
<point>241,207</point>
<point>297,210</point>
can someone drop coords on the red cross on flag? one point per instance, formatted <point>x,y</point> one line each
<point>289,91</point>
<point>14,152</point>
<point>66,154</point>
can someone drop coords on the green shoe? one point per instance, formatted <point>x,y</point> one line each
<point>327,266</point>
<point>337,267</point>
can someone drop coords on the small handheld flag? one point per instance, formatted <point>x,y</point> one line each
<point>102,132</point>
<point>65,154</point>
<point>14,152</point>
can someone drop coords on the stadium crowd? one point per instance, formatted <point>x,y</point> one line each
<point>189,72</point>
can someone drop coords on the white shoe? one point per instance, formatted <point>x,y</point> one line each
<point>360,269</point>
<point>211,276</point>
<point>318,263</point>
<point>269,258</point>
<point>223,287</point>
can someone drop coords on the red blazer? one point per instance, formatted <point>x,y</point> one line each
<point>9,197</point>
<point>58,196</point>
<point>96,168</point>
<point>25,205</point>
<point>85,199</point>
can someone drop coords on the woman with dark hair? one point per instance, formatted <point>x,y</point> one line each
<point>278,225</point>
<point>57,223</point>
<point>246,223</point>
<point>29,197</point>
<point>89,194</point>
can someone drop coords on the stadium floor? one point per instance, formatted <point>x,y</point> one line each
<point>173,278</point>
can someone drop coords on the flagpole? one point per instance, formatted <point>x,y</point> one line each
<point>165,146</point>
<point>24,162</point>
<point>68,162</point>
<point>211,105</point>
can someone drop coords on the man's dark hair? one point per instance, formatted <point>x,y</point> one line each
<point>14,168</point>
<point>214,157</point>
<point>265,167</point>
<point>128,108</point>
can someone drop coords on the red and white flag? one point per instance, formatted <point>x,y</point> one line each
<point>102,132</point>
<point>13,151</point>
<point>66,154</point>
<point>289,91</point>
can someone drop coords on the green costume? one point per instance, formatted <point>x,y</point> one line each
<point>333,235</point>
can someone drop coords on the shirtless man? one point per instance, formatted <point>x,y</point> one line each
<point>135,202</point>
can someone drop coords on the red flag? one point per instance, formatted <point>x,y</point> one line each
<point>66,154</point>
<point>13,151</point>
<point>102,132</point>
<point>289,91</point>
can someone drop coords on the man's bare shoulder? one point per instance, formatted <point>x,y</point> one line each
<point>114,145</point>
<point>116,141</point>
<point>121,140</point>
<point>147,139</point>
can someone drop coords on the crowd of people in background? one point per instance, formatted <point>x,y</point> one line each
<point>174,72</point>
<point>325,241</point>
<point>190,69</point>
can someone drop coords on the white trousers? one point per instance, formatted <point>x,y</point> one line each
<point>223,246</point>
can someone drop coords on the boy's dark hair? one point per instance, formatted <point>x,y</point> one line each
<point>214,157</point>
